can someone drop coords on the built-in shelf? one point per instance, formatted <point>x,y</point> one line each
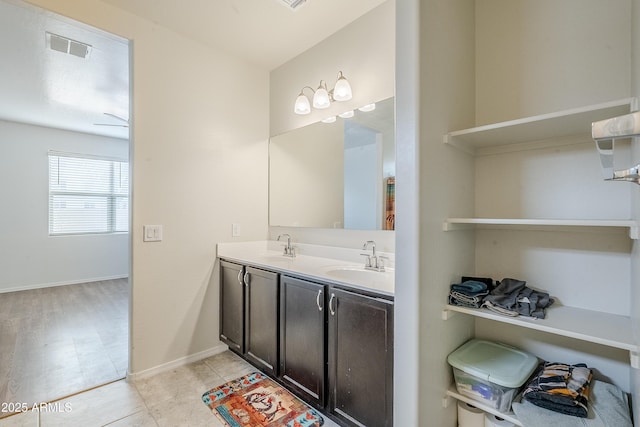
<point>561,124</point>
<point>594,326</point>
<point>452,392</point>
<point>452,224</point>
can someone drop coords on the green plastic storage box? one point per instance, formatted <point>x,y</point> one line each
<point>490,372</point>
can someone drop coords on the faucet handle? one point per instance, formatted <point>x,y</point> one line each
<point>367,263</point>
<point>381,259</point>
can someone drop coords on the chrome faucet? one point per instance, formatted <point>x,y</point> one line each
<point>288,249</point>
<point>373,261</point>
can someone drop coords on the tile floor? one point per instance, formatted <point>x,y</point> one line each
<point>171,398</point>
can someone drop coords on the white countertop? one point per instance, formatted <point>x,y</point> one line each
<point>325,263</point>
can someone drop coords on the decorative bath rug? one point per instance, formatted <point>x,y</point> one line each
<point>255,400</point>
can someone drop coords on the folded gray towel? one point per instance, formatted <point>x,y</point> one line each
<point>513,295</point>
<point>608,407</point>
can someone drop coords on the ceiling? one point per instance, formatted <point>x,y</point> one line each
<point>50,88</point>
<point>265,32</point>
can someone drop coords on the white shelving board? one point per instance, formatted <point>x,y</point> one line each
<point>452,224</point>
<point>588,325</point>
<point>576,121</point>
<point>452,392</point>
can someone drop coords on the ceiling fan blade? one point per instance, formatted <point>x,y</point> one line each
<point>117,117</point>
<point>109,124</point>
<point>124,125</point>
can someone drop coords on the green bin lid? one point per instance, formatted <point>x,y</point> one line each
<point>499,363</point>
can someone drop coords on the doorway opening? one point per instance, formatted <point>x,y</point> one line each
<point>64,285</point>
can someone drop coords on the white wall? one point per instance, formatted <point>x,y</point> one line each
<point>557,55</point>
<point>363,192</point>
<point>200,129</point>
<point>554,59</point>
<point>305,176</point>
<point>365,52</point>
<point>406,319</point>
<point>30,257</point>
<point>485,61</point>
<point>446,189</point>
<point>635,205</point>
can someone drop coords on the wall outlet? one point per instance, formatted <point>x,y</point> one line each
<point>152,233</point>
<point>235,230</point>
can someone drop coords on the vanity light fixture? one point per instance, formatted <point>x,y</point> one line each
<point>367,108</point>
<point>350,113</point>
<point>322,96</point>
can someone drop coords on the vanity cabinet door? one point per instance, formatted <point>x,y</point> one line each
<point>232,291</point>
<point>360,358</point>
<point>261,319</point>
<point>302,338</point>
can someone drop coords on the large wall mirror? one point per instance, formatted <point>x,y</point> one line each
<point>336,175</point>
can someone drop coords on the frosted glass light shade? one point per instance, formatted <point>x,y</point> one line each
<point>342,90</point>
<point>302,105</point>
<point>331,119</point>
<point>346,114</point>
<point>321,98</point>
<point>367,108</point>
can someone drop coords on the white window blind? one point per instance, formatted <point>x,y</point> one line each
<point>87,195</point>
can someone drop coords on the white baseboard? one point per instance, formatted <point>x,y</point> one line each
<point>63,283</point>
<point>178,362</point>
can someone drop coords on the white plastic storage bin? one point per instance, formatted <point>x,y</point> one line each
<point>490,372</point>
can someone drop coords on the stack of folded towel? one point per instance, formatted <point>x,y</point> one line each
<point>469,293</point>
<point>512,297</point>
<point>561,388</point>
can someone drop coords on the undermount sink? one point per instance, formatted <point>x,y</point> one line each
<point>356,273</point>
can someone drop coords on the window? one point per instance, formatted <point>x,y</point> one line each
<point>87,195</point>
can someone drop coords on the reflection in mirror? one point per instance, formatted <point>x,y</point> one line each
<point>336,175</point>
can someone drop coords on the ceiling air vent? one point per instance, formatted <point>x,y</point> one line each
<point>292,4</point>
<point>66,45</point>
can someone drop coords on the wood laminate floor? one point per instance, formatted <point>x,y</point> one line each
<point>58,341</point>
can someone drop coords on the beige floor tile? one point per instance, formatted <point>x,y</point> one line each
<point>139,419</point>
<point>178,384</point>
<point>184,412</point>
<point>25,419</point>
<point>97,407</point>
<point>229,366</point>
<point>168,399</point>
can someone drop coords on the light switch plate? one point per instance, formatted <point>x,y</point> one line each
<point>152,233</point>
<point>235,230</point>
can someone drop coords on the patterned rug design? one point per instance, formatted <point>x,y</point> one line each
<point>255,400</point>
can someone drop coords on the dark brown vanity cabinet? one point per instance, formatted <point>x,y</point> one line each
<point>331,346</point>
<point>232,292</point>
<point>336,350</point>
<point>360,337</point>
<point>261,319</point>
<point>303,338</point>
<point>249,314</point>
